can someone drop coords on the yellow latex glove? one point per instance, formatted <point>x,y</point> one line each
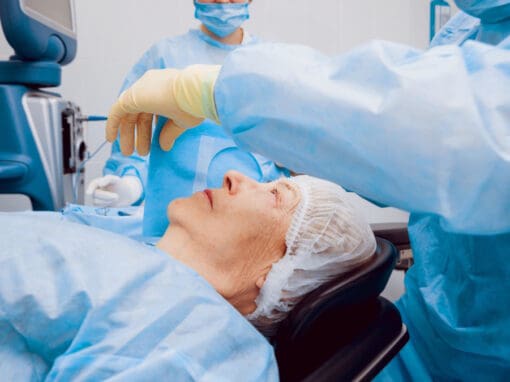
<point>185,97</point>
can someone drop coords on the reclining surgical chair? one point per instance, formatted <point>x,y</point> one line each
<point>343,331</point>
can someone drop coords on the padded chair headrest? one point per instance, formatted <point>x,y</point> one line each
<point>353,288</point>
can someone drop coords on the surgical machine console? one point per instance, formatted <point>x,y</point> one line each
<point>41,134</point>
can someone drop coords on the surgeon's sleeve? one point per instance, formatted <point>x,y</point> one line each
<point>421,131</point>
<point>135,165</point>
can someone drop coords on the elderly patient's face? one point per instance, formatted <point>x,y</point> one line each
<point>241,227</point>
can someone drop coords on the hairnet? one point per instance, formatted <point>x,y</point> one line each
<point>326,238</point>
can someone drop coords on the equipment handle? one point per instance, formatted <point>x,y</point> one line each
<point>12,170</point>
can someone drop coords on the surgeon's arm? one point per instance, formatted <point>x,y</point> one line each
<point>421,131</point>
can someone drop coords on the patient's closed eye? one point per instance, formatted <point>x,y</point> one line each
<point>277,195</point>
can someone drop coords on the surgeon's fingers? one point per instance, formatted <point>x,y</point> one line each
<point>112,124</point>
<point>187,121</point>
<point>101,182</point>
<point>169,133</point>
<point>107,196</point>
<point>144,133</point>
<point>92,187</point>
<point>108,180</point>
<point>127,134</point>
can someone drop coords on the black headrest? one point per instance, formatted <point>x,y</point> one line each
<point>334,318</point>
<point>361,284</point>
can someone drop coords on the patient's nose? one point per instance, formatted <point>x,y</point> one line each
<point>233,181</point>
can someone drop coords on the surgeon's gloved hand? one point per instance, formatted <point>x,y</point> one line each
<point>115,191</point>
<point>185,97</point>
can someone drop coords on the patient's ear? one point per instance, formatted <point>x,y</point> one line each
<point>260,281</point>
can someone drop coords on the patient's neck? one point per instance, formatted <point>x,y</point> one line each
<point>203,258</point>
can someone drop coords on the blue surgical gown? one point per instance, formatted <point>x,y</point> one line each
<point>200,157</point>
<point>79,303</point>
<point>424,131</point>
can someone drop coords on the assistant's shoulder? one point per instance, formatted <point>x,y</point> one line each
<point>168,51</point>
<point>251,38</point>
<point>175,42</point>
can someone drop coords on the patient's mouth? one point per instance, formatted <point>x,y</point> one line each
<point>208,193</point>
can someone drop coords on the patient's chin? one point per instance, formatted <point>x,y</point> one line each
<point>169,210</point>
<point>173,207</point>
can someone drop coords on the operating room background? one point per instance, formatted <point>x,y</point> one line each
<point>113,34</point>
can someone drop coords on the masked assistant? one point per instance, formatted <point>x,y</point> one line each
<point>222,19</point>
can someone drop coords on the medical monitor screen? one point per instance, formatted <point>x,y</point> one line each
<point>53,13</point>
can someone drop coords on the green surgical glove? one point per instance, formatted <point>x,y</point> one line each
<point>185,97</point>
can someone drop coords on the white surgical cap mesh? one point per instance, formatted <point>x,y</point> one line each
<point>326,238</point>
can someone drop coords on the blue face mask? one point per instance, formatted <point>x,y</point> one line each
<point>222,19</point>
